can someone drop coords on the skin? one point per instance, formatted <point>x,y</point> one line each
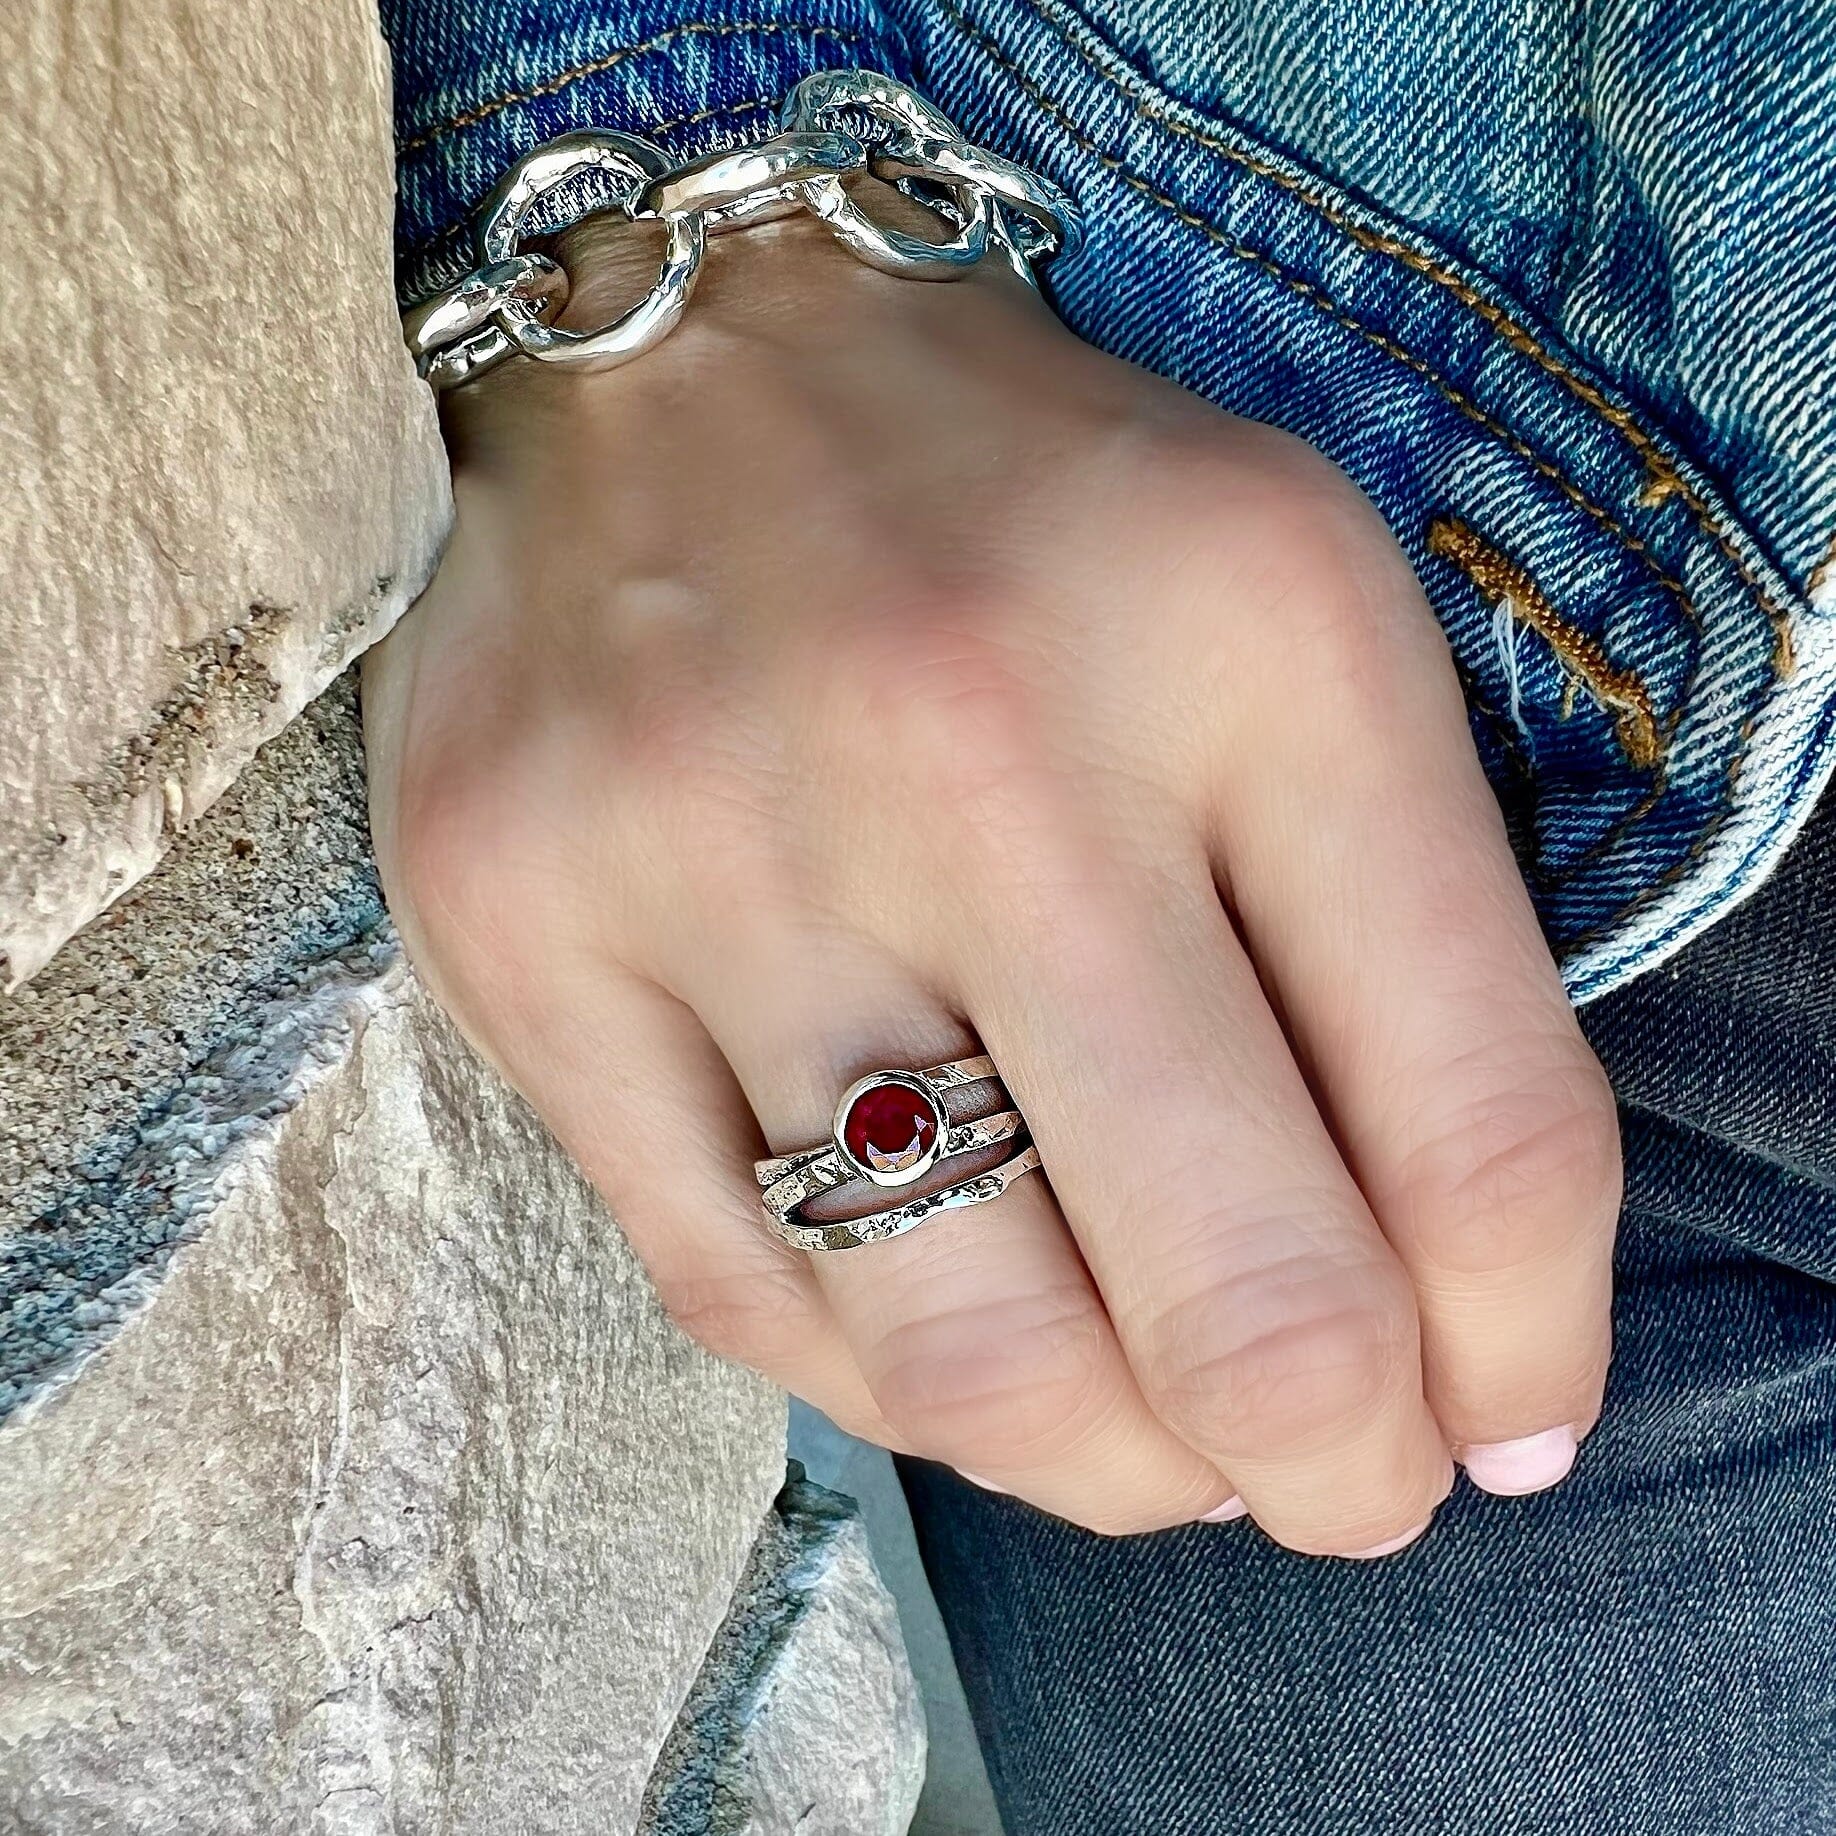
<point>874,668</point>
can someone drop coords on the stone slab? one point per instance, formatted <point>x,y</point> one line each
<point>222,478</point>
<point>806,1719</point>
<point>354,1481</point>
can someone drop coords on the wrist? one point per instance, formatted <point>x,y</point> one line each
<point>996,211</point>
<point>760,275</point>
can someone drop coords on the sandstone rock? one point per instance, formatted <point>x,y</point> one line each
<point>222,479</point>
<point>354,1481</point>
<point>806,1720</point>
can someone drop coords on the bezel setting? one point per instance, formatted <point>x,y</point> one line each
<point>882,1080</point>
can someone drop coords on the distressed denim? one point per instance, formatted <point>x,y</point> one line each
<point>1648,1650</point>
<point>1553,285</point>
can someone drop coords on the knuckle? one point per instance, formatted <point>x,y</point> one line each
<point>1524,1173</point>
<point>1281,1364</point>
<point>1008,1386</point>
<point>1308,547</point>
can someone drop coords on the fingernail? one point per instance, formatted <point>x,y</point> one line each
<point>987,1485</point>
<point>1510,1469</point>
<point>1228,1512</point>
<point>1390,1548</point>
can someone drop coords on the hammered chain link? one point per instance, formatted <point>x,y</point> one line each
<point>835,124</point>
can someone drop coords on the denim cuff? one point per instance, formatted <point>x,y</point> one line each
<point>477,87</point>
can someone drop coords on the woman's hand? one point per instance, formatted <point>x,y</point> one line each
<point>872,669</point>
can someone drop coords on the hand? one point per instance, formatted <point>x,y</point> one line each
<point>873,668</point>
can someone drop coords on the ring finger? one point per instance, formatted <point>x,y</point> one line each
<point>980,1335</point>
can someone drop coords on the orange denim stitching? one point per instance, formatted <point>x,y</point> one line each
<point>1821,572</point>
<point>1318,297</point>
<point>1620,693</point>
<point>1663,480</point>
<point>694,28</point>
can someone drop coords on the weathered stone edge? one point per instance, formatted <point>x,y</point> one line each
<point>243,687</point>
<point>221,1117</point>
<point>699,1786</point>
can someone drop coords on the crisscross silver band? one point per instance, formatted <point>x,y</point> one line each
<point>901,1218</point>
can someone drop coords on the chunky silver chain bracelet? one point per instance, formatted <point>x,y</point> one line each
<point>834,124</point>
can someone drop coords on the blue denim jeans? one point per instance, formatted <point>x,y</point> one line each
<point>1553,285</point>
<point>1650,1649</point>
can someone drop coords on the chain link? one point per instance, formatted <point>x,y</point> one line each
<point>835,124</point>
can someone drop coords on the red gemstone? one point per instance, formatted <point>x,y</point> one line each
<point>889,1128</point>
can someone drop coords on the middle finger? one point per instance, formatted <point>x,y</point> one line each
<point>1267,1320</point>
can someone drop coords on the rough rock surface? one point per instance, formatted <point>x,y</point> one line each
<point>222,479</point>
<point>806,1720</point>
<point>354,1480</point>
<point>127,1066</point>
<point>351,1479</point>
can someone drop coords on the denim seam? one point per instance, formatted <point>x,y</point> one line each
<point>1820,574</point>
<point>1619,693</point>
<point>1649,892</point>
<point>694,28</point>
<point>1572,639</point>
<point>1318,297</point>
<point>1664,480</point>
<point>1599,849</point>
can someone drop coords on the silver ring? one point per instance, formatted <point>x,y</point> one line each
<point>911,122</point>
<point>895,251</point>
<point>864,92</point>
<point>632,162</point>
<point>891,1128</point>
<point>470,305</point>
<point>631,333</point>
<point>504,308</point>
<point>1049,223</point>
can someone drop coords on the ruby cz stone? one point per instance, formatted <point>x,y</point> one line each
<point>889,1128</point>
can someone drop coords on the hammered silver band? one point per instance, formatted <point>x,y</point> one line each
<point>789,1181</point>
<point>859,1232</point>
<point>835,124</point>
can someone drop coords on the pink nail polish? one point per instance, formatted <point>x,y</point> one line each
<point>1390,1548</point>
<point>1510,1469</point>
<point>1227,1513</point>
<point>987,1485</point>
